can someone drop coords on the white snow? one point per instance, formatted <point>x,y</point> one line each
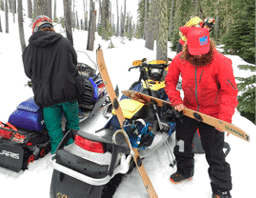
<point>35,182</point>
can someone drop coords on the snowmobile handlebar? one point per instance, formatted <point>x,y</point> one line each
<point>159,64</point>
<point>134,67</point>
<point>149,66</point>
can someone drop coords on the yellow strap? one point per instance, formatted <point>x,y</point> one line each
<point>195,21</point>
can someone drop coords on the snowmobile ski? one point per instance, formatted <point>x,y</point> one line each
<point>137,159</point>
<point>224,126</point>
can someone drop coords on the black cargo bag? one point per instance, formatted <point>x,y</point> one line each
<point>19,147</point>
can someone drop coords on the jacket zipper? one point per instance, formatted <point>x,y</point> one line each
<point>196,89</point>
<point>201,76</point>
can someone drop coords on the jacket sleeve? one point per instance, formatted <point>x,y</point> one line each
<point>171,81</point>
<point>71,62</point>
<point>27,61</point>
<point>228,90</point>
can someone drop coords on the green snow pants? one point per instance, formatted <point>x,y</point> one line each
<point>52,118</point>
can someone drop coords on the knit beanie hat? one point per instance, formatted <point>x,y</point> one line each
<point>41,21</point>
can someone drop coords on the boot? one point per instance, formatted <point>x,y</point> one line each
<point>177,178</point>
<point>221,194</point>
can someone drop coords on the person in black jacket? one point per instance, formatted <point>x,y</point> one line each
<point>50,62</point>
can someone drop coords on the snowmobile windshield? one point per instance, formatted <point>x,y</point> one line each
<point>85,63</point>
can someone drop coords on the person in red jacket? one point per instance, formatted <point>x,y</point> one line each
<point>209,87</point>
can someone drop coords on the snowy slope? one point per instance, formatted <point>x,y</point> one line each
<point>35,182</point>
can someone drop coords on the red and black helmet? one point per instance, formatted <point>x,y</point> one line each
<point>209,21</point>
<point>40,22</point>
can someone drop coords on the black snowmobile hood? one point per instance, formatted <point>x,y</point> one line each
<point>44,38</point>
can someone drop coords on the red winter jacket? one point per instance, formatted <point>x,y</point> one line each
<point>210,89</point>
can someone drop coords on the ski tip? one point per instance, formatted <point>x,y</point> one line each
<point>247,138</point>
<point>98,49</point>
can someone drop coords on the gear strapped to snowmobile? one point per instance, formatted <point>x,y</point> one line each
<point>23,138</point>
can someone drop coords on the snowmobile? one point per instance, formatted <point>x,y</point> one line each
<point>94,165</point>
<point>24,137</point>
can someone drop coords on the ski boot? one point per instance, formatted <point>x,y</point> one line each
<point>221,194</point>
<point>177,178</point>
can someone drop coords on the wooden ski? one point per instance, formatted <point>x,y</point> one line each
<point>137,159</point>
<point>224,126</point>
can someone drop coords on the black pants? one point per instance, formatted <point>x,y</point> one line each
<point>212,142</point>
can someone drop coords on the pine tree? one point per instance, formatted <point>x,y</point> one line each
<point>184,10</point>
<point>241,38</point>
<point>247,87</point>
<point>162,37</point>
<point>141,17</point>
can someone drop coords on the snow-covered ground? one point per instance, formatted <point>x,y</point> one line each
<point>35,182</point>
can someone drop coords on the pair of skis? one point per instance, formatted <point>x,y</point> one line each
<point>217,123</point>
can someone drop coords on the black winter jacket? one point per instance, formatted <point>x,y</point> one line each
<point>50,62</point>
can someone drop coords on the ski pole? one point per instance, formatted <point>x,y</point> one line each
<point>170,154</point>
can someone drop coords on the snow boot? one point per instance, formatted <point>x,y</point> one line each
<point>177,178</point>
<point>221,194</point>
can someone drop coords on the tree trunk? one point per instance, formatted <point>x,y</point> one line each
<point>100,13</point>
<point>117,23</point>
<point>151,25</point>
<point>123,20</point>
<point>55,12</point>
<point>67,14</point>
<point>21,29</point>
<point>84,15</point>
<point>162,38</point>
<point>40,8</point>
<point>171,18</point>
<point>86,18</point>
<point>216,24</point>
<point>48,4</point>
<point>177,23</point>
<point>196,8</point>
<point>82,24</point>
<point>105,17</point>
<point>77,21</point>
<point>29,9</point>
<point>121,25</point>
<point>1,30</point>
<point>73,16</point>
<point>6,17</point>
<point>92,27</point>
<point>145,19</point>
<point>109,12</point>
<point>12,4</point>
<point>35,9</point>
<point>2,5</point>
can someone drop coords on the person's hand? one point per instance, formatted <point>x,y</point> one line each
<point>179,107</point>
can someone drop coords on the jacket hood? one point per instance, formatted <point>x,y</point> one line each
<point>44,38</point>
